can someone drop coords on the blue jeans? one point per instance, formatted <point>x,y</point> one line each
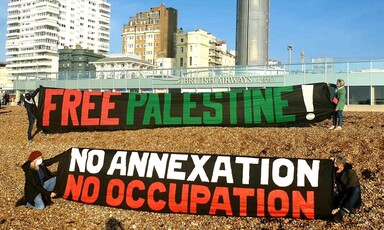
<point>338,118</point>
<point>353,199</point>
<point>31,121</point>
<point>49,185</point>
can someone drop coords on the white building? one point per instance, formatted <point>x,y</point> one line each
<point>201,49</point>
<point>5,78</point>
<point>38,28</point>
<point>120,66</point>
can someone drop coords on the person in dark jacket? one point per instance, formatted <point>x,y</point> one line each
<point>348,193</point>
<point>30,106</point>
<point>39,181</point>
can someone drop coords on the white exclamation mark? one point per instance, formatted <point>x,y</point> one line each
<point>308,101</point>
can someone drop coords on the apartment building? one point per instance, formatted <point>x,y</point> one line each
<point>201,49</point>
<point>37,29</point>
<point>150,35</point>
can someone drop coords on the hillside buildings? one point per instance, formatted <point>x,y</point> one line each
<point>37,29</point>
<point>150,35</point>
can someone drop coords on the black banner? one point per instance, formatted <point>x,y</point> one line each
<point>64,110</point>
<point>197,183</point>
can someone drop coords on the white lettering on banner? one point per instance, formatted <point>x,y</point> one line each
<point>303,169</point>
<point>282,181</point>
<point>160,165</point>
<point>99,154</point>
<point>264,178</point>
<point>175,164</point>
<point>85,160</point>
<point>198,170</point>
<point>246,162</point>
<point>139,164</point>
<point>119,162</point>
<point>170,166</point>
<point>79,158</point>
<point>226,172</point>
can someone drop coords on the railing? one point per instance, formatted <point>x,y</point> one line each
<point>364,80</point>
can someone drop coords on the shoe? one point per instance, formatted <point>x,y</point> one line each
<point>29,140</point>
<point>337,218</point>
<point>338,128</point>
<point>21,201</point>
<point>332,127</point>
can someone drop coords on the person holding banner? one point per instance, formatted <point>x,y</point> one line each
<point>341,99</point>
<point>30,106</point>
<point>39,181</point>
<point>348,193</point>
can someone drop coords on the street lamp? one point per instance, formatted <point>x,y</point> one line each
<point>302,55</point>
<point>290,48</point>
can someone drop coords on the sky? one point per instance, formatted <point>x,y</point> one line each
<point>342,29</point>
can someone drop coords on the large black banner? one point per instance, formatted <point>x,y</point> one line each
<point>64,110</point>
<point>201,184</point>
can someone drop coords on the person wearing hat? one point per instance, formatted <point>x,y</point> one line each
<point>30,106</point>
<point>39,181</point>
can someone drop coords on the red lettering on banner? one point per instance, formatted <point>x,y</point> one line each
<point>94,183</point>
<point>106,107</point>
<point>48,105</point>
<point>120,186</point>
<point>131,202</point>
<point>221,192</point>
<point>183,205</point>
<point>284,199</point>
<point>199,195</point>
<point>87,106</point>
<point>260,202</point>
<point>69,107</point>
<point>73,187</point>
<point>306,206</point>
<point>243,194</point>
<point>152,203</point>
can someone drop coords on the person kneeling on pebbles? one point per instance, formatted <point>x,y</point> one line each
<point>348,193</point>
<point>39,181</point>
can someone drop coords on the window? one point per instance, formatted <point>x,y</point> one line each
<point>190,60</point>
<point>359,95</point>
<point>182,49</point>
<point>182,40</point>
<point>181,62</point>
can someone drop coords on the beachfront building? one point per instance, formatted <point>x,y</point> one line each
<point>201,49</point>
<point>121,66</point>
<point>5,78</point>
<point>37,29</point>
<point>150,35</point>
<point>74,63</point>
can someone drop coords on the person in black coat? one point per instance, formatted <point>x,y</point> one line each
<point>39,181</point>
<point>30,106</point>
<point>348,193</point>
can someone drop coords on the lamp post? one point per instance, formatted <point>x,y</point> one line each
<point>290,48</point>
